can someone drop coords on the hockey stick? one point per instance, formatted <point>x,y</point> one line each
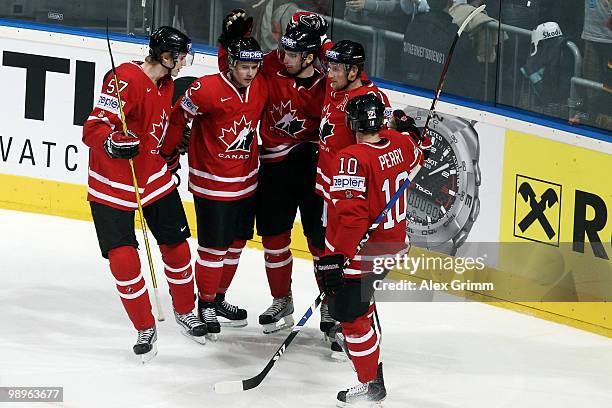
<point>226,387</point>
<point>160,312</point>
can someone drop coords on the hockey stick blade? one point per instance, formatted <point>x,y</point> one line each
<point>228,387</point>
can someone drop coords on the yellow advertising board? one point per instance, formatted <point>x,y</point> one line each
<point>556,200</point>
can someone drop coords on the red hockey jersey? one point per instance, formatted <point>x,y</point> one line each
<point>146,107</point>
<point>364,179</point>
<point>293,112</point>
<point>223,160</point>
<point>334,135</point>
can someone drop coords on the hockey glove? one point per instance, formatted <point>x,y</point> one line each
<point>183,147</point>
<point>172,161</point>
<point>406,125</point>
<point>331,270</point>
<point>311,21</point>
<point>120,146</point>
<point>235,25</point>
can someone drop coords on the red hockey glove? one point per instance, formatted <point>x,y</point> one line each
<point>311,21</point>
<point>120,146</point>
<point>235,25</point>
<point>331,269</point>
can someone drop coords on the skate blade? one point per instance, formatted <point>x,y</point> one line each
<point>362,404</point>
<point>284,323</point>
<point>146,357</point>
<point>339,356</point>
<point>214,337</point>
<point>232,323</point>
<point>197,339</point>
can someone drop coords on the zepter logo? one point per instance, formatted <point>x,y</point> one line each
<point>443,201</point>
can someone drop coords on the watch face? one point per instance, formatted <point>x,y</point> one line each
<point>434,190</point>
<point>441,195</point>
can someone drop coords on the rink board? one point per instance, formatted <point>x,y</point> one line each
<point>44,163</point>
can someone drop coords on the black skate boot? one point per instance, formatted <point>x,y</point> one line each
<point>228,314</point>
<point>370,394</point>
<point>278,316</point>
<point>339,349</point>
<point>327,322</point>
<point>145,346</point>
<point>207,313</point>
<point>192,327</point>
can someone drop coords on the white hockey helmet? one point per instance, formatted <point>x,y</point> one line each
<point>543,32</point>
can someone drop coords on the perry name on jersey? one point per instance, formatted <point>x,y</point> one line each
<point>365,177</point>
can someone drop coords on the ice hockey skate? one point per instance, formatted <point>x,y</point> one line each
<point>228,314</point>
<point>145,347</point>
<point>327,322</point>
<point>339,350</point>
<point>191,327</point>
<point>207,313</point>
<point>278,316</point>
<point>370,394</point>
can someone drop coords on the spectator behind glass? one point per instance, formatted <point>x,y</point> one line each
<point>570,17</point>
<point>270,19</point>
<point>597,36</point>
<point>427,41</point>
<point>385,14</point>
<point>549,69</point>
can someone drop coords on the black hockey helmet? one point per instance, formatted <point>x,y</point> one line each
<point>169,39</point>
<point>300,39</point>
<point>347,52</point>
<point>244,49</point>
<point>365,113</point>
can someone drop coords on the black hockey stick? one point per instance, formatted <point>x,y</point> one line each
<point>226,387</point>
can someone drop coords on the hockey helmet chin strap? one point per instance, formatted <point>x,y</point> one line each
<point>304,55</point>
<point>347,68</point>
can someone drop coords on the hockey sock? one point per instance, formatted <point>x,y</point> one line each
<point>362,342</point>
<point>230,264</point>
<point>279,263</point>
<point>208,271</point>
<point>125,267</point>
<point>177,266</point>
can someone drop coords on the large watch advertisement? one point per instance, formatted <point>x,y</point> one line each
<point>443,201</point>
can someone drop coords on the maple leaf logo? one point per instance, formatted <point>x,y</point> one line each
<point>285,120</point>
<point>159,129</point>
<point>326,129</point>
<point>239,137</point>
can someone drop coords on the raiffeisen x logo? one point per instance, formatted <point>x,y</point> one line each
<point>537,200</point>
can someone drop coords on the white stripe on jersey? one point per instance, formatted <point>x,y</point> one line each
<point>217,193</point>
<point>209,176</point>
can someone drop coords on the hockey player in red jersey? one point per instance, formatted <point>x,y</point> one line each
<point>365,176</point>
<point>345,80</point>
<point>290,135</point>
<point>146,90</point>
<point>225,109</point>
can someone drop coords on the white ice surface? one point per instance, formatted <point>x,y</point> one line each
<point>62,324</point>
